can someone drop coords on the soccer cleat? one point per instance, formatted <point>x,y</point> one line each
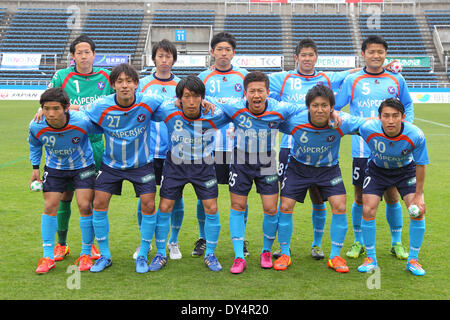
<point>101,264</point>
<point>246,253</point>
<point>158,262</point>
<point>84,262</point>
<point>277,254</point>
<point>338,264</point>
<point>399,251</point>
<point>136,253</point>
<point>356,250</point>
<point>266,260</point>
<point>45,265</point>
<point>212,263</point>
<point>282,262</point>
<point>317,253</point>
<point>61,251</point>
<point>141,264</point>
<point>95,254</point>
<point>368,265</point>
<point>415,268</point>
<point>238,266</point>
<point>174,251</point>
<point>199,248</point>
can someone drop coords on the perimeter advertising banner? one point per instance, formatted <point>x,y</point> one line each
<point>20,61</point>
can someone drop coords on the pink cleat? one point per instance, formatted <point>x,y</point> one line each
<point>266,260</point>
<point>239,266</point>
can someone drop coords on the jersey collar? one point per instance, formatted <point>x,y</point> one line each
<point>164,80</point>
<point>399,134</point>
<point>256,114</point>
<point>117,103</point>
<point>75,69</point>
<point>373,74</point>
<point>306,75</point>
<point>224,71</point>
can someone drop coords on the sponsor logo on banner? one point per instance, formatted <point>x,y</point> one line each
<point>184,61</point>
<point>430,95</point>
<point>20,61</point>
<point>336,62</point>
<point>257,61</point>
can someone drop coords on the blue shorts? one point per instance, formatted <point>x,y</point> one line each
<point>222,166</point>
<point>359,171</point>
<point>299,178</point>
<point>379,179</point>
<point>176,176</point>
<point>55,180</point>
<point>110,179</point>
<point>244,172</point>
<point>283,160</point>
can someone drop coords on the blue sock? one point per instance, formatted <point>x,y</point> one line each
<point>369,231</point>
<point>87,234</point>
<point>101,230</point>
<point>319,216</point>
<point>357,211</point>
<point>270,226</point>
<point>285,228</point>
<point>162,231</point>
<point>395,221</point>
<point>338,229</point>
<point>416,234</point>
<point>176,220</point>
<point>139,213</point>
<point>148,227</point>
<point>212,231</point>
<point>49,225</point>
<point>201,219</point>
<point>237,232</point>
<point>246,216</point>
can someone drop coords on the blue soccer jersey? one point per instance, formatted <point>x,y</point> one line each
<point>365,92</point>
<point>318,147</point>
<point>67,148</point>
<point>224,84</point>
<point>191,140</point>
<point>152,86</point>
<point>126,129</point>
<point>292,86</point>
<point>395,152</point>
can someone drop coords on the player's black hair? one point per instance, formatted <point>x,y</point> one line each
<point>256,76</point>
<point>126,68</point>
<point>192,83</point>
<point>167,46</point>
<point>306,43</point>
<point>82,38</point>
<point>55,95</point>
<point>223,37</point>
<point>374,39</point>
<point>393,103</point>
<point>319,91</point>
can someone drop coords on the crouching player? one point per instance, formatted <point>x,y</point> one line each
<point>314,162</point>
<point>398,160</point>
<point>68,158</point>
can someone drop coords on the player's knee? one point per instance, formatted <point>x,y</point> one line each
<point>165,206</point>
<point>271,211</point>
<point>85,208</point>
<point>238,206</point>
<point>339,208</point>
<point>369,212</point>
<point>211,209</point>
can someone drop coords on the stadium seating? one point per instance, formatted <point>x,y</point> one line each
<point>437,17</point>
<point>190,17</point>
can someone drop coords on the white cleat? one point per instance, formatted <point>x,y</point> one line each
<point>135,254</point>
<point>174,251</point>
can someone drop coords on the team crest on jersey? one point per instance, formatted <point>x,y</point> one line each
<point>272,124</point>
<point>331,138</point>
<point>141,117</point>
<point>164,90</point>
<point>224,79</point>
<point>101,85</point>
<point>76,140</point>
<point>319,83</point>
<point>391,90</point>
<point>405,152</point>
<point>377,82</point>
<point>238,87</point>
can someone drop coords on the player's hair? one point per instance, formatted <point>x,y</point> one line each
<point>167,46</point>
<point>306,43</point>
<point>374,39</point>
<point>192,83</point>
<point>55,95</point>
<point>319,91</point>
<point>126,68</point>
<point>82,38</point>
<point>223,37</point>
<point>393,103</point>
<point>256,76</point>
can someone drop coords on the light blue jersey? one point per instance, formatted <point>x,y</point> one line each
<point>365,92</point>
<point>224,84</point>
<point>126,129</point>
<point>318,147</point>
<point>395,152</point>
<point>152,86</point>
<point>67,148</point>
<point>292,86</point>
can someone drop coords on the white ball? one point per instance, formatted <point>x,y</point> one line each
<point>36,186</point>
<point>396,67</point>
<point>413,211</point>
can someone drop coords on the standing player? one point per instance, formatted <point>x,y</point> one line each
<point>314,161</point>
<point>162,82</point>
<point>225,81</point>
<point>365,90</point>
<point>125,118</point>
<point>68,158</point>
<point>83,83</point>
<point>398,161</point>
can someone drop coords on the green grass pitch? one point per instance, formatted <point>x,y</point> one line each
<point>188,278</point>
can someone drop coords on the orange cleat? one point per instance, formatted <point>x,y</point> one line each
<point>61,251</point>
<point>95,254</point>
<point>45,265</point>
<point>84,263</point>
<point>338,264</point>
<point>282,262</point>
